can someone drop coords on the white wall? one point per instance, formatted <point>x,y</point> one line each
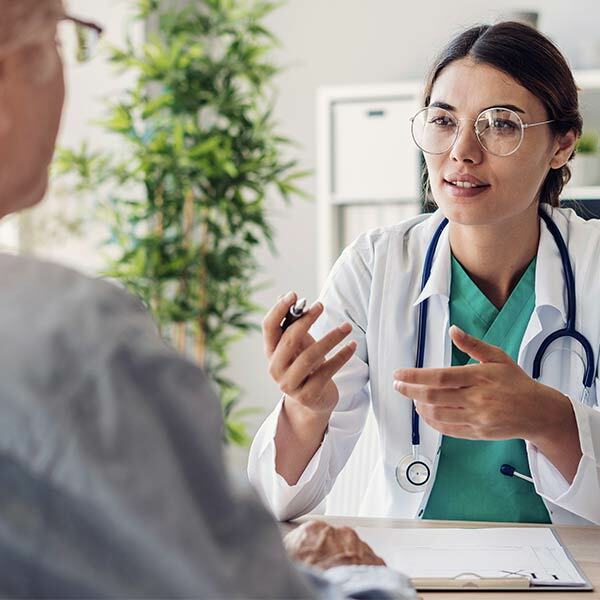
<point>329,42</point>
<point>88,85</point>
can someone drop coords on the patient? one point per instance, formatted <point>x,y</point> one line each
<point>111,467</point>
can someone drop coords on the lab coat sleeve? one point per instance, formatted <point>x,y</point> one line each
<point>582,496</point>
<point>345,297</point>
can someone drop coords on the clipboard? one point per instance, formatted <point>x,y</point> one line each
<point>473,581</point>
<point>470,581</point>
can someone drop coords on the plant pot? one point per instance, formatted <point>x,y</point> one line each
<point>585,170</point>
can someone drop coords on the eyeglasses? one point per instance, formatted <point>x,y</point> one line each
<point>79,37</point>
<point>499,130</point>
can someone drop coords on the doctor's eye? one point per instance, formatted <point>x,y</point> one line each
<point>442,121</point>
<point>504,126</point>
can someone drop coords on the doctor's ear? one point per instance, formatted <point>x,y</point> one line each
<point>564,145</point>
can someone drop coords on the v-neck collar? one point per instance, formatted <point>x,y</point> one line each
<point>462,284</point>
<point>492,325</point>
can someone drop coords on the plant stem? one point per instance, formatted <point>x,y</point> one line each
<point>201,335</point>
<point>159,233</point>
<point>188,225</point>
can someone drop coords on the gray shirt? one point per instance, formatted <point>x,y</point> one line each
<point>111,464</point>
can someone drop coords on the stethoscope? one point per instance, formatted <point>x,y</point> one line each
<point>414,471</point>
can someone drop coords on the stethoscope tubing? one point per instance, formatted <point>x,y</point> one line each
<point>422,322</point>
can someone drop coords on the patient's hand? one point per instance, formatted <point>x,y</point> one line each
<point>321,545</point>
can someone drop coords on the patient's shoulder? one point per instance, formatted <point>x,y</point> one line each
<point>41,298</point>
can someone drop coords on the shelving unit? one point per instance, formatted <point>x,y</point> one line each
<point>590,192</point>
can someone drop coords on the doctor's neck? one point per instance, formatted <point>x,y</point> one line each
<point>496,256</point>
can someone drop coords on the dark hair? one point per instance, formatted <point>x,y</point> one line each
<point>537,64</point>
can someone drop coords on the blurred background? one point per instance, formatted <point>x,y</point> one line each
<point>334,54</point>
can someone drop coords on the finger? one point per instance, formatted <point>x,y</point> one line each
<point>293,342</point>
<point>453,397</point>
<point>464,432</point>
<point>451,377</point>
<point>477,349</point>
<point>443,414</point>
<point>271,323</point>
<point>314,356</point>
<point>354,547</point>
<point>316,382</point>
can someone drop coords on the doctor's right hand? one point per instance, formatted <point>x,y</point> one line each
<point>297,362</point>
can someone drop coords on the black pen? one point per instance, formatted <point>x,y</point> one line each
<point>293,314</point>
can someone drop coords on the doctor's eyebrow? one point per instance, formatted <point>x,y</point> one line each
<point>446,106</point>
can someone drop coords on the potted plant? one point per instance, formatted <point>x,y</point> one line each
<point>185,201</point>
<point>586,166</point>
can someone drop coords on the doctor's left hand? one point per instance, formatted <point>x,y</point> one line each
<point>492,400</point>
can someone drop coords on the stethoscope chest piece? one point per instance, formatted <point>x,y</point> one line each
<point>413,473</point>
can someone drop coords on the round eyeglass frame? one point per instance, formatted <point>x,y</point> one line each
<point>524,126</point>
<point>83,25</point>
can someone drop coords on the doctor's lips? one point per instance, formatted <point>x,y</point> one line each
<point>463,184</point>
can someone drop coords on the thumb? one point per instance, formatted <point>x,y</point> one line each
<point>476,348</point>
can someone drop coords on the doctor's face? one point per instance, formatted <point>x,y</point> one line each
<point>510,184</point>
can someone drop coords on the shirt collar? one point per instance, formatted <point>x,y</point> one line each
<point>438,283</point>
<point>549,278</point>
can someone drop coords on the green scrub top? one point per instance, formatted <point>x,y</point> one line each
<point>468,484</point>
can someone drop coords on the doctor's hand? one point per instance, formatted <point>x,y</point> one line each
<point>492,400</point>
<point>318,544</point>
<point>297,361</point>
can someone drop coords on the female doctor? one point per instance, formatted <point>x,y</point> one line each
<point>441,322</point>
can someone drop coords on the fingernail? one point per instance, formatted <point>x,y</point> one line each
<point>316,305</point>
<point>398,374</point>
<point>397,385</point>
<point>458,330</point>
<point>352,345</point>
<point>289,296</point>
<point>345,327</point>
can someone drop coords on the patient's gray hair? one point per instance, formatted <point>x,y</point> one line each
<point>23,22</point>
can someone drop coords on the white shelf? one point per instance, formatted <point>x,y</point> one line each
<point>344,201</point>
<point>588,79</point>
<point>590,192</point>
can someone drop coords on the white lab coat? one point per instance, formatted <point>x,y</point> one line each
<point>375,284</point>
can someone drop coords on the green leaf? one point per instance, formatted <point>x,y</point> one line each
<point>183,198</point>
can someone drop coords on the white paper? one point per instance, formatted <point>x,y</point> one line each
<point>489,552</point>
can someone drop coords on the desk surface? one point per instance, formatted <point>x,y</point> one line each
<point>583,542</point>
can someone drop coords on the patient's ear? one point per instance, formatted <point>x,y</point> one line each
<point>4,117</point>
<point>563,148</point>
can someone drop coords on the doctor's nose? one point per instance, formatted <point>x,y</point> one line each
<point>467,148</point>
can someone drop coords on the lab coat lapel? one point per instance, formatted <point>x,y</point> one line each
<point>550,306</point>
<point>438,345</point>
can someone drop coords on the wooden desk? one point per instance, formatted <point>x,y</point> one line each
<point>583,542</point>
